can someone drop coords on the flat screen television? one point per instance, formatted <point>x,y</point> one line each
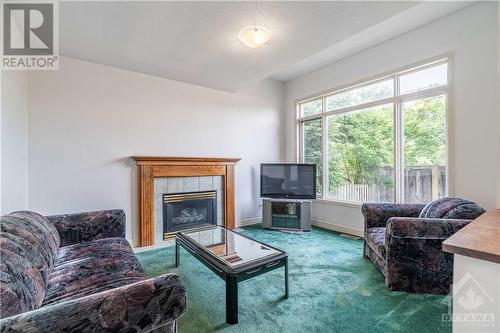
<point>294,181</point>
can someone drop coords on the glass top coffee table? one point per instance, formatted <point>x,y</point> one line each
<point>233,257</point>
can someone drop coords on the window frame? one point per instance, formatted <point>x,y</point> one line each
<point>397,100</point>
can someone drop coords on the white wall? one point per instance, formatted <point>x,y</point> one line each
<point>481,277</point>
<point>85,120</point>
<point>471,34</point>
<point>14,141</point>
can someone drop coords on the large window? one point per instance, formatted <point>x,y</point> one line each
<point>380,141</point>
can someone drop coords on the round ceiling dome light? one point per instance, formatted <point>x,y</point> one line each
<point>254,36</point>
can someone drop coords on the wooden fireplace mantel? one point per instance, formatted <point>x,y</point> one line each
<point>150,167</point>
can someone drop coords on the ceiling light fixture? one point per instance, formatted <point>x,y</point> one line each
<point>254,36</point>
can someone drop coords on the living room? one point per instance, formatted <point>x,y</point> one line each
<point>146,101</point>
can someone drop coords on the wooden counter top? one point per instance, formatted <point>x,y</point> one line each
<point>479,239</point>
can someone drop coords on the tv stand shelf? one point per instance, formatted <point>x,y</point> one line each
<point>290,214</point>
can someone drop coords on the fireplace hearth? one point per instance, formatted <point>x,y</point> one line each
<point>182,211</point>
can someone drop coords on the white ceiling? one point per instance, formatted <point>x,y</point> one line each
<point>196,42</point>
<point>407,20</point>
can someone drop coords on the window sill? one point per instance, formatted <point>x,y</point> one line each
<point>339,202</point>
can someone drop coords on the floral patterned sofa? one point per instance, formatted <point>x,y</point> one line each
<point>77,273</point>
<point>405,241</point>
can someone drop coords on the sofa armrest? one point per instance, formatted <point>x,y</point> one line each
<point>140,307</point>
<point>423,228</point>
<point>87,226</point>
<point>415,260</point>
<point>377,214</point>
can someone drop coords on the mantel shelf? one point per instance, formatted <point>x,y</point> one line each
<point>151,160</point>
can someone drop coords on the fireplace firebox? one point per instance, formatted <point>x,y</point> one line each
<point>182,211</point>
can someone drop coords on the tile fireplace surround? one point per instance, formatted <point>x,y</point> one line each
<point>159,175</point>
<point>173,185</point>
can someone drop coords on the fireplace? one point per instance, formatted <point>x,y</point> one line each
<point>151,168</point>
<point>182,211</point>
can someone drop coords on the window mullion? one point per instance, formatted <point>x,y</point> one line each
<point>399,166</point>
<point>324,124</point>
<point>442,90</point>
<point>310,117</point>
<point>398,143</point>
<point>360,106</point>
<point>301,142</point>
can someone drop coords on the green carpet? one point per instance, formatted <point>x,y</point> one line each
<point>332,289</point>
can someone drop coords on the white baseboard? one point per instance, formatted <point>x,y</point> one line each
<point>157,245</point>
<point>338,228</point>
<point>245,222</point>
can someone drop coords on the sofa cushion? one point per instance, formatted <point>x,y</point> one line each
<point>28,244</point>
<point>452,208</point>
<point>46,228</point>
<point>29,251</point>
<point>22,287</point>
<point>375,238</point>
<point>91,267</point>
